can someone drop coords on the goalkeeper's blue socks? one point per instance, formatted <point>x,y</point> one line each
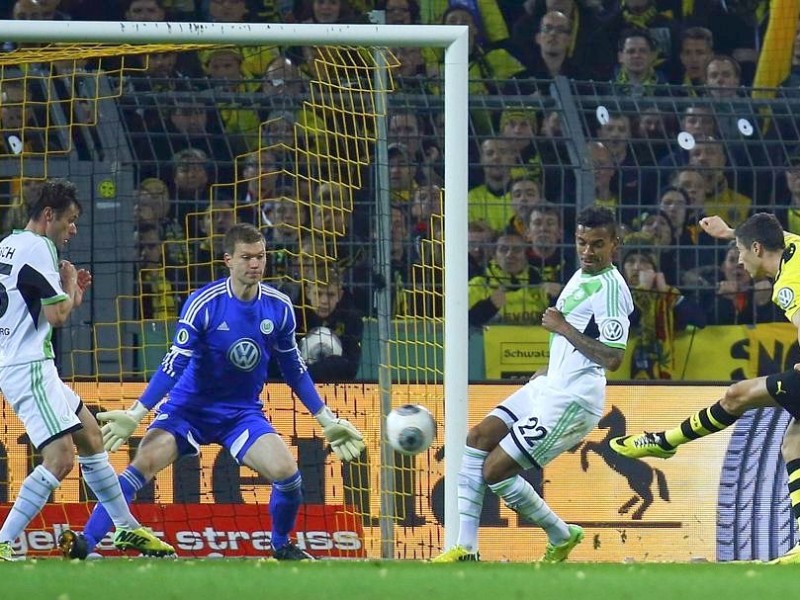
<point>284,503</point>
<point>99,523</point>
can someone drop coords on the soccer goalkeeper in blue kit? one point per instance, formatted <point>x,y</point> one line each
<point>214,373</point>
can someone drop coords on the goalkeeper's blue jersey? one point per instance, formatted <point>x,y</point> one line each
<point>228,344</point>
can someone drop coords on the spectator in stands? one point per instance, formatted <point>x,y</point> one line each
<point>207,260</point>
<point>331,11</point>
<point>261,174</point>
<point>402,257</point>
<point>509,291</point>
<point>657,226</point>
<point>693,183</point>
<point>402,173</point>
<point>414,73</point>
<point>697,48</point>
<point>709,157</point>
<point>697,120</point>
<point>154,208</point>
<point>553,149</point>
<point>652,138</point>
<point>159,286</point>
<point>526,194</point>
<point>490,202</point>
<point>408,128</point>
<point>144,10</point>
<point>660,311</point>
<point>738,300</point>
<point>636,74</point>
<point>518,126</point>
<point>551,261</point>
<point>480,238</point>
<point>190,186</point>
<point>644,15</point>
<point>425,204</point>
<point>283,86</point>
<point>604,170</point>
<point>401,12</point>
<point>254,58</point>
<point>24,194</point>
<point>224,70</point>
<point>329,309</point>
<point>723,77</point>
<point>553,41</point>
<point>491,69</point>
<point>628,186</point>
<point>588,44</point>
<point>787,209</point>
<point>287,219</point>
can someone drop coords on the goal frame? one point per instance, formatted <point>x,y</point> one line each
<point>455,41</point>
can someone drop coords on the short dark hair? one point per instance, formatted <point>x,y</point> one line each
<point>636,33</point>
<point>698,33</point>
<point>763,228</point>
<point>58,194</point>
<point>241,233</point>
<point>598,216</point>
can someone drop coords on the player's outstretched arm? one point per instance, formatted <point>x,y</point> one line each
<point>716,227</point>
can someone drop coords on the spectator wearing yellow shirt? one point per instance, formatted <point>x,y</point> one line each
<point>509,290</point>
<point>709,157</point>
<point>490,202</point>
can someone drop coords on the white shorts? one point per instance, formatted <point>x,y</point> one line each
<point>44,403</point>
<point>545,420</point>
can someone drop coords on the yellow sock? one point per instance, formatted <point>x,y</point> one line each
<point>704,422</point>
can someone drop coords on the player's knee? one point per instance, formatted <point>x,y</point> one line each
<point>60,466</point>
<point>494,469</point>
<point>735,399</point>
<point>790,446</point>
<point>487,434</point>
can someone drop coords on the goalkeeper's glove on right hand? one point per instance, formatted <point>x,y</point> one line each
<point>345,440</point>
<point>119,425</point>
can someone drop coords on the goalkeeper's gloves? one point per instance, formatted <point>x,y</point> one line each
<point>345,440</point>
<point>119,425</point>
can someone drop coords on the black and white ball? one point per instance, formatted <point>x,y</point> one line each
<point>410,429</point>
<point>319,343</point>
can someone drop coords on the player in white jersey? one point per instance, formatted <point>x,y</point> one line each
<point>38,292</point>
<point>561,403</point>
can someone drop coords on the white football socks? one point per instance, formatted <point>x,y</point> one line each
<point>520,497</point>
<point>33,495</point>
<point>101,478</point>
<point>471,489</point>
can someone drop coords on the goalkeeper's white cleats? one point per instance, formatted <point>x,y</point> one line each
<point>143,540</point>
<point>456,554</point>
<point>6,552</point>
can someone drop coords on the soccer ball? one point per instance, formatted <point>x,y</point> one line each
<point>410,429</point>
<point>319,343</point>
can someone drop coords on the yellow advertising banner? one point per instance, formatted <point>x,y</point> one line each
<point>716,353</point>
<point>644,510</point>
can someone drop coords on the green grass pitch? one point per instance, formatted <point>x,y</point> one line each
<point>378,580</point>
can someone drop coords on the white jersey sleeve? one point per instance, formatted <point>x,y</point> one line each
<point>612,310</point>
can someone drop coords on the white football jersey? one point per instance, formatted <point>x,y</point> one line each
<point>597,305</point>
<point>29,280</point>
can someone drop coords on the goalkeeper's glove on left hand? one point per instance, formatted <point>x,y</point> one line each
<point>345,440</point>
<point>119,425</point>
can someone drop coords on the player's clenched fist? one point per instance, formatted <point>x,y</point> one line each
<point>553,320</point>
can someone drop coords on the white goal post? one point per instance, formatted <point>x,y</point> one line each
<point>455,41</point>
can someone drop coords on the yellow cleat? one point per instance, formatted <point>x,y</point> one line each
<point>456,554</point>
<point>143,540</point>
<point>6,553</point>
<point>641,446</point>
<point>792,557</point>
<point>557,554</point>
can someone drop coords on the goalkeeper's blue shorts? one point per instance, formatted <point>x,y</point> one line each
<point>237,431</point>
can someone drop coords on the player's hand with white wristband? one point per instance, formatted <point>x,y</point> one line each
<point>119,425</point>
<point>345,440</point>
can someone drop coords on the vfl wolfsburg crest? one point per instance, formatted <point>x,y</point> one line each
<point>267,326</point>
<point>244,354</point>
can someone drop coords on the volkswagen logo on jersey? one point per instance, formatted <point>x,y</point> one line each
<point>267,326</point>
<point>244,354</point>
<point>613,330</point>
<point>785,297</point>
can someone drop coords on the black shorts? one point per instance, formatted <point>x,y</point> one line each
<point>785,390</point>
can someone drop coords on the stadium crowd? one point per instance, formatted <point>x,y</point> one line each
<point>664,125</point>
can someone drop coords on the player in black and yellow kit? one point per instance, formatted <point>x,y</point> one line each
<point>765,250</point>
